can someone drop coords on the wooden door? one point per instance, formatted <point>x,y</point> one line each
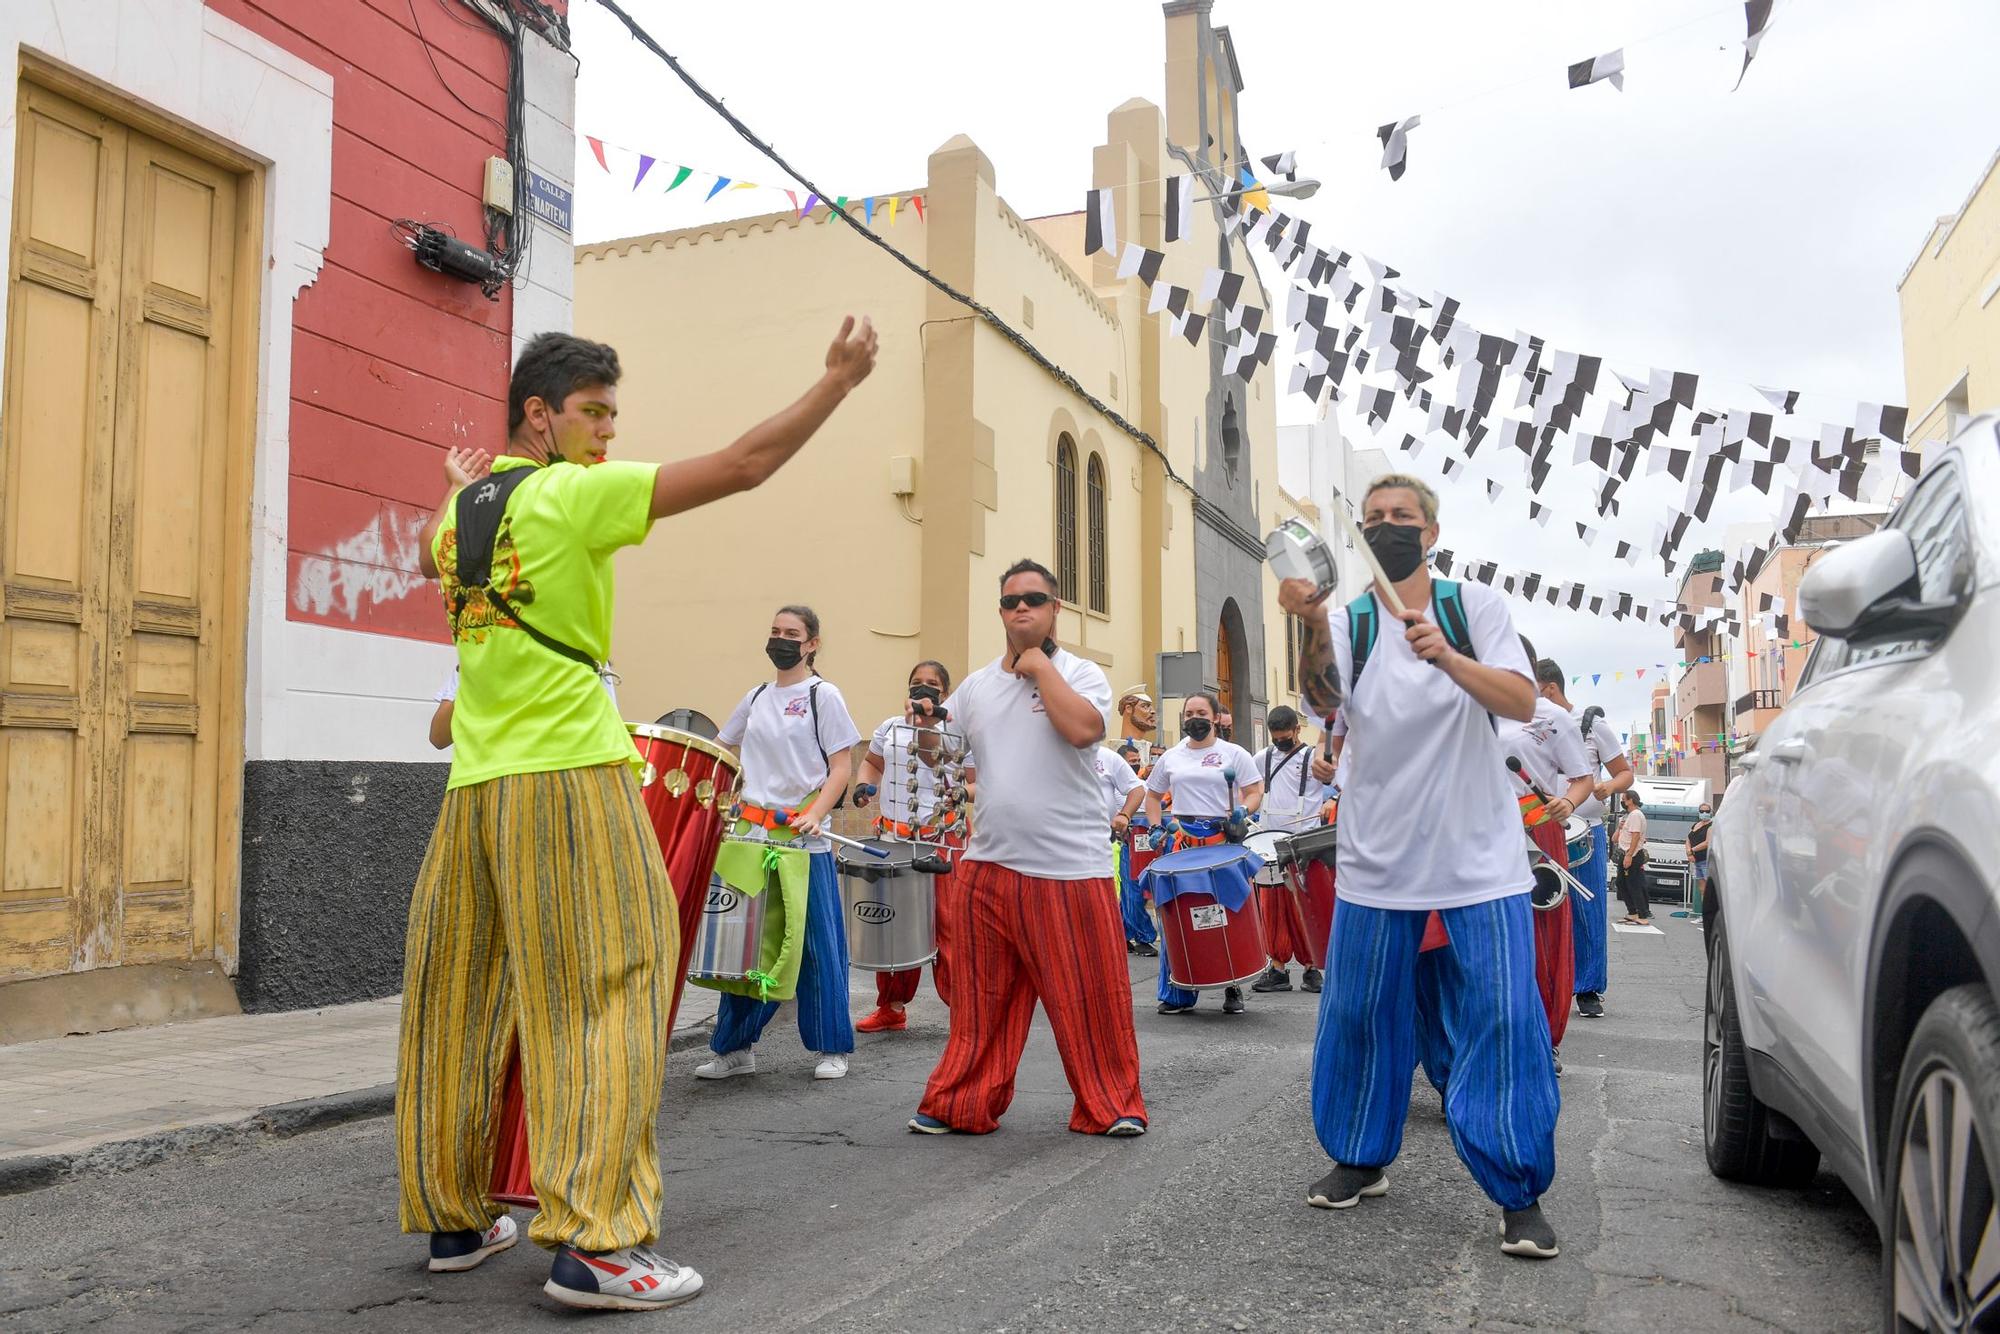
<point>1225,669</point>
<point>114,464</point>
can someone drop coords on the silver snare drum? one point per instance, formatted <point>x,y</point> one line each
<point>890,906</point>
<point>1268,843</point>
<point>729,938</point>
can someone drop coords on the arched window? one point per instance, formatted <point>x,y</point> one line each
<point>1066,519</point>
<point>1100,571</point>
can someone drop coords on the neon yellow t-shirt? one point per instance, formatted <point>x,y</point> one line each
<point>523,708</point>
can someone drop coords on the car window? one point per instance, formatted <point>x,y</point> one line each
<point>1934,517</point>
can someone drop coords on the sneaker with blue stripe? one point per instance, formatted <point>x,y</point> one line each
<point>634,1278</point>
<point>455,1252</point>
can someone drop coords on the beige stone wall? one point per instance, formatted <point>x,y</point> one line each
<point>718,327</point>
<point>1950,300</point>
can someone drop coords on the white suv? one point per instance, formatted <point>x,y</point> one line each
<point>1853,931</point>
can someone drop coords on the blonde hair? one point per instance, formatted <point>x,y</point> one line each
<point>1427,499</point>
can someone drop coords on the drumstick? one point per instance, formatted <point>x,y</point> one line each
<point>1354,534</point>
<point>832,837</point>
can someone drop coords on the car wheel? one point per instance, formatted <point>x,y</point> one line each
<point>1736,1125</point>
<point>1941,1228</point>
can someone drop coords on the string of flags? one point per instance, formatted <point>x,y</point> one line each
<point>1428,360</point>
<point>1608,67</point>
<point>646,166</point>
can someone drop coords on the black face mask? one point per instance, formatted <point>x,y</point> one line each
<point>1197,729</point>
<point>929,693</point>
<point>1399,547</point>
<point>1224,732</point>
<point>1285,744</point>
<point>784,653</point>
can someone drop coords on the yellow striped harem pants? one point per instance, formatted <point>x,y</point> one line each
<point>542,901</point>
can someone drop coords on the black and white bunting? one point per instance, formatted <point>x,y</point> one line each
<point>1598,69</point>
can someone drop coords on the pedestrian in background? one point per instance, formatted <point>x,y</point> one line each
<point>1697,850</point>
<point>1632,864</point>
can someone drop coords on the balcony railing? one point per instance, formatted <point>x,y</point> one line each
<point>1760,699</point>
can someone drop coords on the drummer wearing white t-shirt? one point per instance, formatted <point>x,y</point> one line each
<point>1427,823</point>
<point>1214,788</point>
<point>1590,923</point>
<point>917,807</point>
<point>1292,802</point>
<point>794,735</point>
<point>1033,916</point>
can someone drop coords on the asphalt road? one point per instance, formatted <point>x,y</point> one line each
<point>808,1205</point>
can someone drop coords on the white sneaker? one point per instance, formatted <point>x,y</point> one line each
<point>742,1061</point>
<point>632,1279</point>
<point>456,1252</point>
<point>832,1065</point>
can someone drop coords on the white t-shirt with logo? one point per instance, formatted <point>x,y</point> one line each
<point>1195,778</point>
<point>1600,748</point>
<point>784,758</point>
<point>894,746</point>
<point>1427,813</point>
<point>1040,807</point>
<point>1285,807</point>
<point>1117,777</point>
<point>1550,748</point>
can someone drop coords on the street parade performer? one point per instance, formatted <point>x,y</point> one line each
<point>1292,802</point>
<point>1590,923</point>
<point>1213,789</point>
<point>1033,916</point>
<point>1427,823</point>
<point>1552,779</point>
<point>916,806</point>
<point>795,736</point>
<point>543,905</point>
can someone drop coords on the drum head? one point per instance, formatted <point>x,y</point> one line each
<point>1265,843</point>
<point>1315,844</point>
<point>899,858</point>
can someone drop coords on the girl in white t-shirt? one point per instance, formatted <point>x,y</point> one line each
<point>932,814</point>
<point>793,735</point>
<point>1214,787</point>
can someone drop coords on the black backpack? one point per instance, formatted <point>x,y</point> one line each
<point>479,509</point>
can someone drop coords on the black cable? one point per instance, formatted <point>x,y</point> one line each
<point>1005,329</point>
<point>424,42</point>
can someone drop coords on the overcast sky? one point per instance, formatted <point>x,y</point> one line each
<point>1754,236</point>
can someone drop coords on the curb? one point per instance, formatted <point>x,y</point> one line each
<point>31,1172</point>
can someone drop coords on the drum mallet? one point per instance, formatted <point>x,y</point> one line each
<point>842,839</point>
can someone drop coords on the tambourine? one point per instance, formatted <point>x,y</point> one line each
<point>1295,551</point>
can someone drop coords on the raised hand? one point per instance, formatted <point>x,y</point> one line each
<point>852,355</point>
<point>465,466</point>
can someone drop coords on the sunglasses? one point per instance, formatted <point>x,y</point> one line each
<point>1009,601</point>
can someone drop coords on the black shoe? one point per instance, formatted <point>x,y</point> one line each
<point>1312,981</point>
<point>1145,951</point>
<point>1274,979</point>
<point>1168,1007</point>
<point>1590,1004</point>
<point>1232,1000</point>
<point>1526,1233</point>
<point>1131,947</point>
<point>1345,1187</point>
<point>1557,1052</point>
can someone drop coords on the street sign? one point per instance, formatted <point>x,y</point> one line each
<point>548,201</point>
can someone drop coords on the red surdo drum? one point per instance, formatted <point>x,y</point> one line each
<point>1210,929</point>
<point>1308,860</point>
<point>687,785</point>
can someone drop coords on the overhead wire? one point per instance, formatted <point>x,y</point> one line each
<point>984,312</point>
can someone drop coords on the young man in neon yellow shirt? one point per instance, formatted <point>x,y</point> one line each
<point>543,900</point>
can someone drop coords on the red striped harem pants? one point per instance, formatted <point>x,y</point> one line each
<point>1016,939</point>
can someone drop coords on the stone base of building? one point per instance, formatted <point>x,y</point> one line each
<point>331,850</point>
<point>105,999</point>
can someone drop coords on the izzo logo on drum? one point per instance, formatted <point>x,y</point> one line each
<point>873,912</point>
<point>721,898</point>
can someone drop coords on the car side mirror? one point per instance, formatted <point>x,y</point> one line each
<point>1867,591</point>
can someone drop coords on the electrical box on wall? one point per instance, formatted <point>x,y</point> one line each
<point>500,185</point>
<point>902,476</point>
